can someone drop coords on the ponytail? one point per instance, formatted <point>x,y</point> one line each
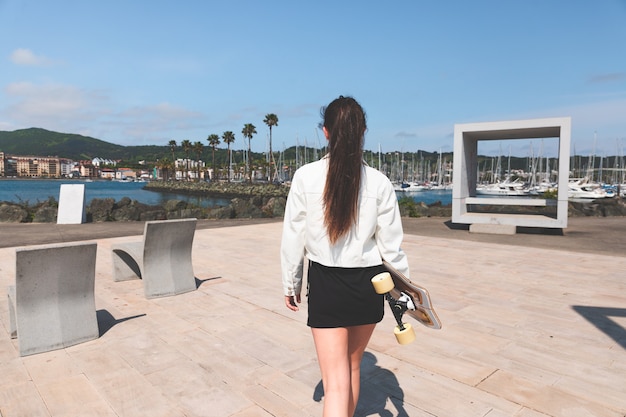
<point>344,120</point>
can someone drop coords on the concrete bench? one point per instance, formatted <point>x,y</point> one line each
<point>52,304</point>
<point>503,201</point>
<point>162,260</point>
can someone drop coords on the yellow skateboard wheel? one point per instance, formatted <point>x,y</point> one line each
<point>406,336</point>
<point>383,283</point>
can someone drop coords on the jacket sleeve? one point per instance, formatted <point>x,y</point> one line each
<point>389,233</point>
<point>292,244</point>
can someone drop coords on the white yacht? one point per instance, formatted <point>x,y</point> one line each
<point>582,188</point>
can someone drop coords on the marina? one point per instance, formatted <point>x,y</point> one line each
<point>39,190</point>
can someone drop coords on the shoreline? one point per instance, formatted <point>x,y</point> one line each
<point>245,201</point>
<point>219,189</point>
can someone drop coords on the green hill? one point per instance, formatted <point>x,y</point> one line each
<point>41,142</point>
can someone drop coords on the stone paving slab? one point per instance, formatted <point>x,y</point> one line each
<point>528,332</point>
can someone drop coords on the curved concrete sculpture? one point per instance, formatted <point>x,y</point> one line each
<point>162,260</point>
<point>52,304</point>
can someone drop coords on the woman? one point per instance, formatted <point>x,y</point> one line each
<point>344,217</point>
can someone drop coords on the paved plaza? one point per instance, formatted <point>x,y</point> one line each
<point>534,326</point>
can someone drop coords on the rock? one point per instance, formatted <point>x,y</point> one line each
<point>125,201</point>
<point>602,207</point>
<point>129,210</point>
<point>187,213</point>
<point>150,215</point>
<point>244,209</point>
<point>100,210</point>
<point>221,213</point>
<point>125,214</point>
<point>220,189</point>
<point>612,207</point>
<point>275,207</point>
<point>174,205</point>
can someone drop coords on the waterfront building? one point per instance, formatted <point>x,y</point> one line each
<point>86,169</point>
<point>107,173</point>
<point>67,167</point>
<point>124,174</point>
<point>37,167</point>
<point>189,169</point>
<point>98,162</point>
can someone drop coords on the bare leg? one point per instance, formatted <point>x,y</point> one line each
<point>359,337</point>
<point>332,354</point>
<point>339,352</point>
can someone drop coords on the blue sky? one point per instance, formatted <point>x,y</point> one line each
<point>145,72</point>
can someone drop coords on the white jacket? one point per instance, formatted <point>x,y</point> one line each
<point>377,234</point>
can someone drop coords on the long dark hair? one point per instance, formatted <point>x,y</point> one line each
<point>344,120</point>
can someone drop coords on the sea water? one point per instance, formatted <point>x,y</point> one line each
<point>34,191</point>
<point>429,196</point>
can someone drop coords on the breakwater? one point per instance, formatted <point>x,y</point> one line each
<point>219,189</point>
<point>241,200</point>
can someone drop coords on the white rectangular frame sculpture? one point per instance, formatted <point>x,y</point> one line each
<point>466,138</point>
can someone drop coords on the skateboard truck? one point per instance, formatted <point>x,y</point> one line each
<point>383,284</point>
<point>399,307</point>
<point>405,296</point>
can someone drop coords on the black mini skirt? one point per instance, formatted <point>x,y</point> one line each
<point>343,297</point>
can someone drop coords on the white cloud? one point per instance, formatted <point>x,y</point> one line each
<point>67,108</point>
<point>59,107</point>
<point>22,56</point>
<point>608,77</point>
<point>404,134</point>
<point>153,123</point>
<point>48,101</point>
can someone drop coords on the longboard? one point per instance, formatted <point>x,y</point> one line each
<point>405,296</point>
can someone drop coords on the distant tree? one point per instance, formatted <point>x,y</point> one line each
<point>172,144</point>
<point>214,140</point>
<point>164,165</point>
<point>186,145</point>
<point>228,137</point>
<point>198,148</point>
<point>248,131</point>
<point>271,120</point>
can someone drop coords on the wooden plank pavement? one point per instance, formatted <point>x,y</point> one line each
<point>527,332</point>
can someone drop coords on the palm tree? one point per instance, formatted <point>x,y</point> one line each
<point>172,144</point>
<point>228,137</point>
<point>213,140</point>
<point>164,165</point>
<point>198,148</point>
<point>271,120</point>
<point>248,130</point>
<point>186,145</point>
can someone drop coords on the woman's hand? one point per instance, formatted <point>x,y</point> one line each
<point>292,302</point>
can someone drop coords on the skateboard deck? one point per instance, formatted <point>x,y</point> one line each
<point>422,308</point>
